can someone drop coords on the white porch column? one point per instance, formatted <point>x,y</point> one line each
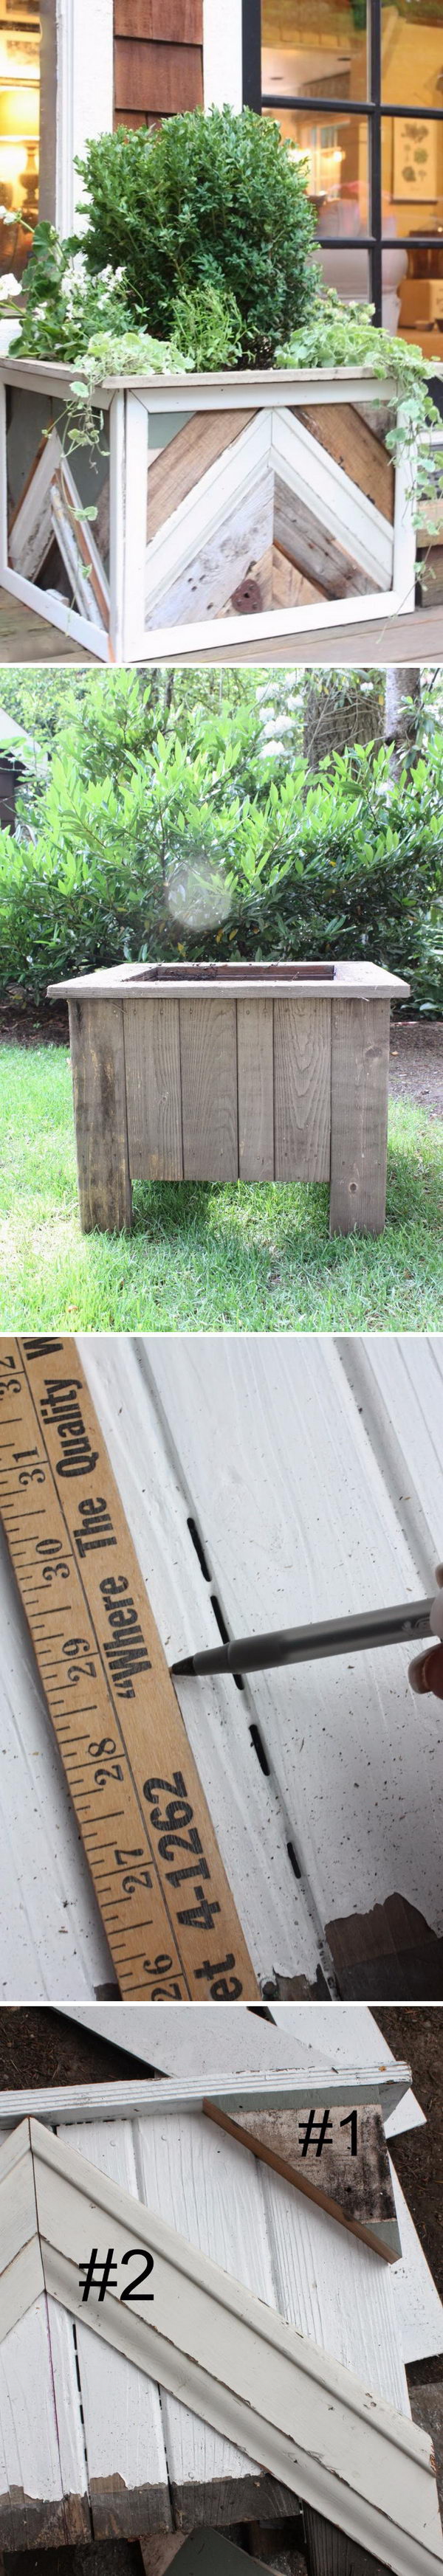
<point>84,93</point>
<point>222,53</point>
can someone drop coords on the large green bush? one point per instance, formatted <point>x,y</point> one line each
<point>189,831</point>
<point>204,200</point>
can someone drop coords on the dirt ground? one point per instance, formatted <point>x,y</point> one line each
<point>416,1063</point>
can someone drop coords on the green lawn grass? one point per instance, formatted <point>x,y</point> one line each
<point>202,1259</point>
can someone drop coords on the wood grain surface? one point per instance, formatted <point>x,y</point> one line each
<point>153,1090</point>
<point>99,1088</point>
<point>208,1044</point>
<point>359,1116</point>
<point>302,1062</point>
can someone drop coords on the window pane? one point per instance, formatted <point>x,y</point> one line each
<point>335,148</point>
<point>314,48</point>
<point>20,39</point>
<point>421,305</point>
<point>412,53</point>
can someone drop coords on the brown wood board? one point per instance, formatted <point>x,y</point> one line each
<point>355,2188</point>
<point>313,550</point>
<point>359,1131</point>
<point>302,1089</point>
<point>188,455</point>
<point>153,1080</point>
<point>174,22</point>
<point>164,1899</point>
<point>167,78</point>
<point>99,1089</point>
<point>273,582</point>
<point>339,428</point>
<point>208,1047</point>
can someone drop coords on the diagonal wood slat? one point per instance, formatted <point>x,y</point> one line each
<point>340,429</point>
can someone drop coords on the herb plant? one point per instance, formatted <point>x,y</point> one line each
<point>343,335</point>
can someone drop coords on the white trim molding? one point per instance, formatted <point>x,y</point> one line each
<point>226,2355</point>
<point>301,2090</point>
<point>84,93</point>
<point>223,54</point>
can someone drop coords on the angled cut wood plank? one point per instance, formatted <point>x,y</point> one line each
<point>255,1056</point>
<point>315,553</point>
<point>208,1047</point>
<point>206,545</point>
<point>271,583</point>
<point>303,1520</point>
<point>290,588</point>
<point>359,1116</point>
<point>354,2186</point>
<point>99,1087</point>
<point>30,527</point>
<point>123,2429</point>
<point>350,518</point>
<point>302,1097</point>
<point>219,561</point>
<point>238,2041</point>
<point>180,465</point>
<point>153,1091</point>
<point>78,549</point>
<point>139,2096</point>
<point>355,445</point>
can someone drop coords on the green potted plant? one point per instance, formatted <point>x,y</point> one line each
<point>192,292</point>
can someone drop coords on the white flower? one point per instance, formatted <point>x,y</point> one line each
<point>8,286</point>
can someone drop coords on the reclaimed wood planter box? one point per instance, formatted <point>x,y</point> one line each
<point>238,501</point>
<point>232,1072</point>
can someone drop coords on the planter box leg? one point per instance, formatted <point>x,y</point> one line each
<point>359,1116</point>
<point>99,1086</point>
<point>329,2553</point>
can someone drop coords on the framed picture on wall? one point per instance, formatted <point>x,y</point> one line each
<point>415,160</point>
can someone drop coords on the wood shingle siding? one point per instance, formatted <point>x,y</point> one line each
<point>158,58</point>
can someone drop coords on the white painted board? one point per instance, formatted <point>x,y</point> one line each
<point>298,1524</point>
<point>418,2306</point>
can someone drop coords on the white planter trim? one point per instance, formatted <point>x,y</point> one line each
<point>225,2354</point>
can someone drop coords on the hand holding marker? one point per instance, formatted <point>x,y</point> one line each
<point>426,1673</point>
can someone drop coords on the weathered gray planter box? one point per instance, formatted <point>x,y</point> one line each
<point>232,1072</point>
<point>229,500</point>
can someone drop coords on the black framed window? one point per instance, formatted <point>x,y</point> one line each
<point>357,86</point>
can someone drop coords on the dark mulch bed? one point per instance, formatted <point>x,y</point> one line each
<point>416,1063</point>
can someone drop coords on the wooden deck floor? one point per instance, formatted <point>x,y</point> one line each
<point>26,637</point>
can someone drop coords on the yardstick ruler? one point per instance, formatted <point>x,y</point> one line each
<point>164,1899</point>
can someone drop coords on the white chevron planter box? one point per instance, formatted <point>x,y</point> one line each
<point>223,500</point>
<point>223,2352</point>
